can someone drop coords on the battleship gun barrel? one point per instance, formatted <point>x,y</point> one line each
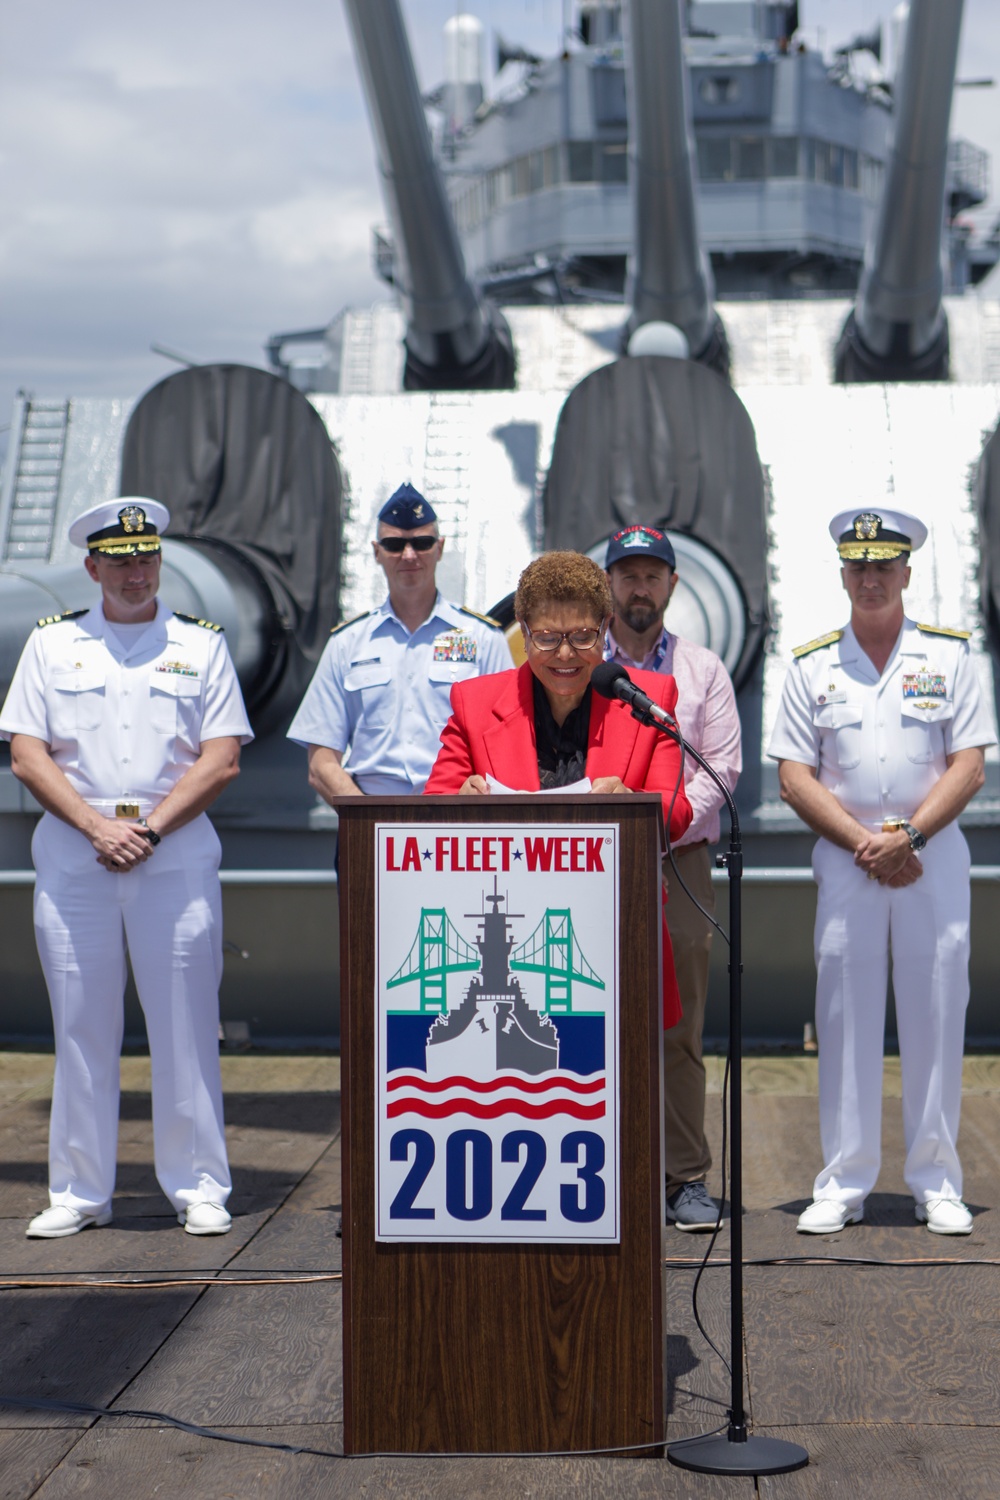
<point>671,279</point>
<point>454,338</point>
<point>898,329</point>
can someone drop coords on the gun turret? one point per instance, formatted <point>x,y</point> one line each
<point>455,339</point>
<point>245,465</point>
<point>898,329</point>
<point>671,280</point>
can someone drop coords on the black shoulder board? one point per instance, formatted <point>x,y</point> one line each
<point>486,619</point>
<point>68,614</point>
<point>193,620</point>
<point>956,635</point>
<point>352,621</point>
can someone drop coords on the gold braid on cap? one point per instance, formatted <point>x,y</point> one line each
<point>123,538</point>
<point>869,543</point>
<point>114,545</point>
<point>872,551</point>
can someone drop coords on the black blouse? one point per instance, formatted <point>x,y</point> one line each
<point>561,749</point>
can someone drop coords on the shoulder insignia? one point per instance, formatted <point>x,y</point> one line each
<point>958,635</point>
<point>352,621</point>
<point>486,619</point>
<point>68,614</point>
<point>822,640</point>
<point>193,620</point>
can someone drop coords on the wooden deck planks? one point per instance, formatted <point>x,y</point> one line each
<point>698,1385</point>
<point>139,1462</point>
<point>874,1345</point>
<point>893,1462</point>
<point>144,1246</point>
<point>253,1356</point>
<point>26,1457</point>
<point>303,1233</point>
<point>80,1346</point>
<point>888,1376</point>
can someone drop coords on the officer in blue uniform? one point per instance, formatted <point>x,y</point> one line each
<point>372,716</point>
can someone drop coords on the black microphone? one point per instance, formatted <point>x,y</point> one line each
<point>611,680</point>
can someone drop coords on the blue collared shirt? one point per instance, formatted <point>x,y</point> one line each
<point>383,695</point>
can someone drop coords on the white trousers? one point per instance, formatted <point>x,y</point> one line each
<point>926,926</point>
<point>169,912</point>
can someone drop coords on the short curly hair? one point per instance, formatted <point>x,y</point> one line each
<point>563,578</point>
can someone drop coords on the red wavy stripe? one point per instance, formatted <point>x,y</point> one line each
<point>493,1111</point>
<point>491,1085</point>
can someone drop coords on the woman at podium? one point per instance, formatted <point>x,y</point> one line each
<point>541,727</point>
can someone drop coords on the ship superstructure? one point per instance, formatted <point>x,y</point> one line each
<point>790,152</point>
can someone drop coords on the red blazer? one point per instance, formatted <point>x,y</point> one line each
<point>492,732</point>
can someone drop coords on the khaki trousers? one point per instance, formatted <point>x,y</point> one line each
<point>686,1154</point>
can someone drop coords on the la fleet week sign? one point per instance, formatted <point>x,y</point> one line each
<point>497,1033</point>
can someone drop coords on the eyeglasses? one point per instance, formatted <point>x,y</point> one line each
<point>551,640</point>
<point>400,543</point>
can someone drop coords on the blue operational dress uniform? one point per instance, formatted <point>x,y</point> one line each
<point>124,711</point>
<point>386,693</point>
<point>879,742</point>
<point>382,693</point>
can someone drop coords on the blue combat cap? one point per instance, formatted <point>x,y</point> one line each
<point>407,509</point>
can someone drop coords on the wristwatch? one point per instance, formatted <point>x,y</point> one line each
<point>916,838</point>
<point>149,833</point>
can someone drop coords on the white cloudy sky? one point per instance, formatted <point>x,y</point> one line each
<point>200,174</point>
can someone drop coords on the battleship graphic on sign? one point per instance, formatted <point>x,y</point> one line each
<point>497,1096</point>
<point>494,1028</point>
<point>494,1034</point>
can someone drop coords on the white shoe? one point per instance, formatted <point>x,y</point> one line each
<point>205,1218</point>
<point>945,1216</point>
<point>58,1222</point>
<point>827,1216</point>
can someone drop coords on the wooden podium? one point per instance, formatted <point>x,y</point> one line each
<point>506,1347</point>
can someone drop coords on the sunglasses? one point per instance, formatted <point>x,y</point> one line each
<point>400,543</point>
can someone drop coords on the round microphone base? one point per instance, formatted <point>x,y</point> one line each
<point>720,1454</point>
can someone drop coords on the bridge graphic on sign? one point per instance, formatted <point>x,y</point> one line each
<point>439,949</point>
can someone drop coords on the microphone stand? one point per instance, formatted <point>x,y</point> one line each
<point>737,1451</point>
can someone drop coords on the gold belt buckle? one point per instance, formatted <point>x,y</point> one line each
<point>126,809</point>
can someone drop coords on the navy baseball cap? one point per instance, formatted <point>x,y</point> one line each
<point>407,509</point>
<point>636,541</point>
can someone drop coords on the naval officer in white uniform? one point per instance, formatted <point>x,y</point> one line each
<point>880,740</point>
<point>125,723</point>
<point>372,716</point>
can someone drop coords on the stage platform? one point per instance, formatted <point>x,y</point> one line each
<point>878,1349</point>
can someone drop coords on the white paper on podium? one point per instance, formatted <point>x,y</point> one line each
<point>551,791</point>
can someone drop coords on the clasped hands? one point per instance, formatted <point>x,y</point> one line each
<point>888,858</point>
<point>121,845</point>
